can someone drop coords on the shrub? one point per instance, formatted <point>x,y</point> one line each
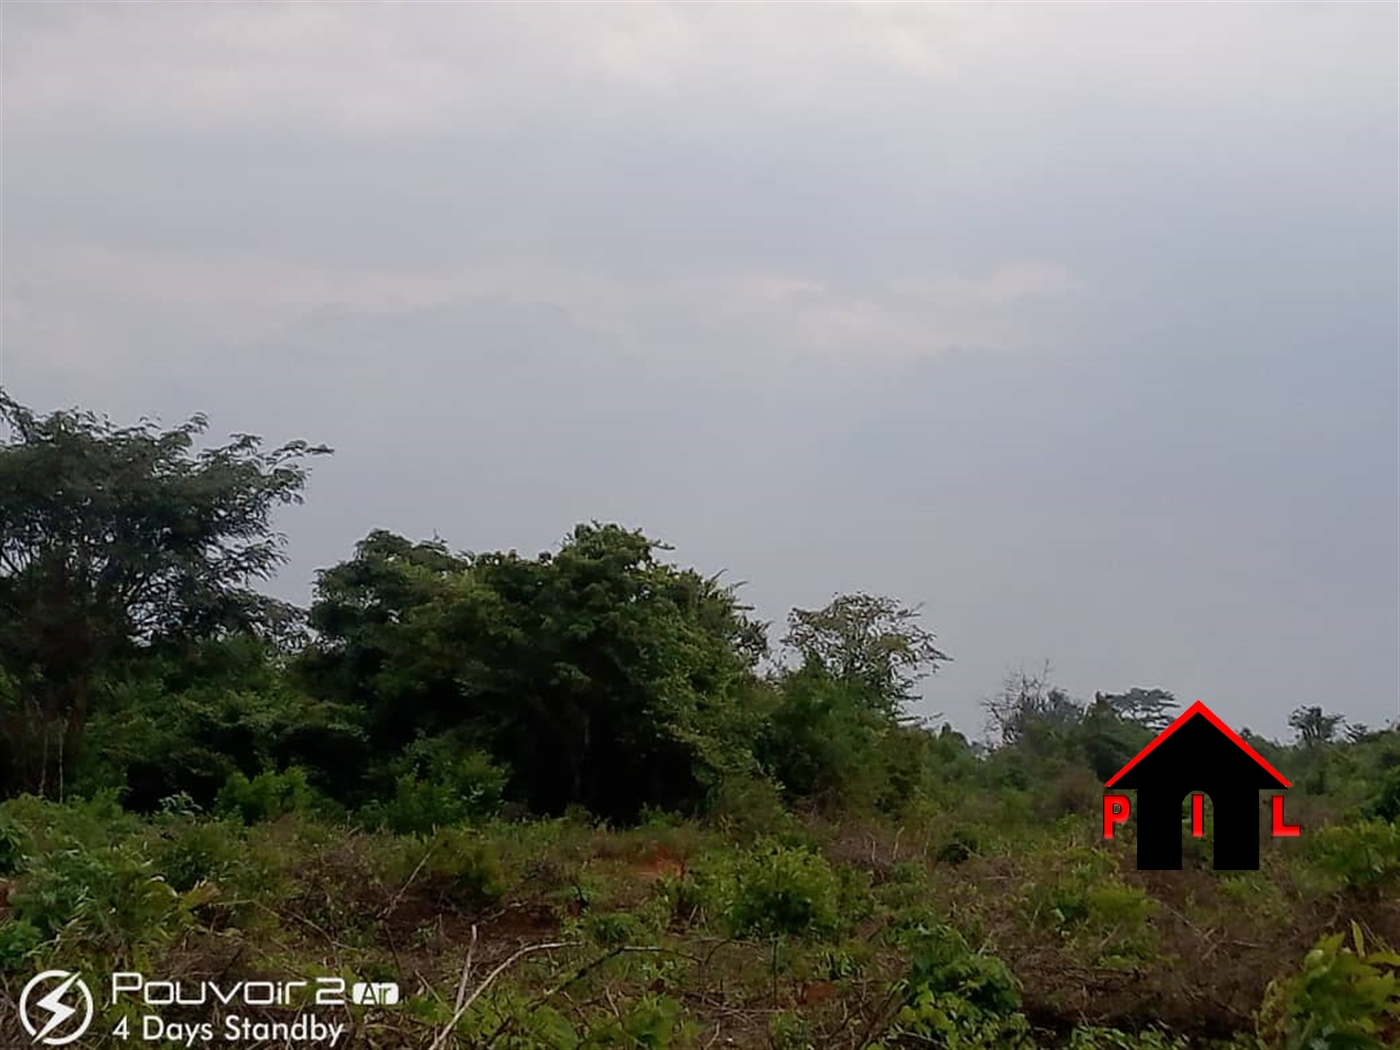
<point>463,868</point>
<point>1118,923</point>
<point>192,852</point>
<point>267,796</point>
<point>437,784</point>
<point>789,1030</point>
<point>1062,899</point>
<point>749,806</point>
<point>41,825</point>
<point>614,929</point>
<point>784,890</point>
<point>110,897</point>
<point>1364,855</point>
<point>1384,802</point>
<point>1255,895</point>
<point>652,1022</point>
<point>956,998</point>
<point>18,940</point>
<point>1342,998</point>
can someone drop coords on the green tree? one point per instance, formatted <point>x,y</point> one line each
<point>1153,709</point>
<point>115,540</point>
<point>868,643</point>
<point>1314,728</point>
<point>598,674</point>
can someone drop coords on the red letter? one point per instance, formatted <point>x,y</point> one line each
<point>1198,815</point>
<point>1282,830</point>
<point>1115,811</point>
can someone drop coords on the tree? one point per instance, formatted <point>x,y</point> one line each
<point>119,539</point>
<point>1153,709</point>
<point>1313,727</point>
<point>1029,710</point>
<point>598,674</point>
<point>868,643</point>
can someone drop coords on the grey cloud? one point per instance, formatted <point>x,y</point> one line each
<point>1076,322</point>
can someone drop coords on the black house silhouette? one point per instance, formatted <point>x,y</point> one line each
<point>1198,752</point>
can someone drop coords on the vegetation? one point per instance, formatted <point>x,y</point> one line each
<point>576,801</point>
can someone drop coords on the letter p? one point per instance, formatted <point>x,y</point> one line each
<point>1115,811</point>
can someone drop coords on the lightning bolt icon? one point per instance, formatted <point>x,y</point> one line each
<point>59,1011</point>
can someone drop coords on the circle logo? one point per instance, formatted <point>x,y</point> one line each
<point>54,1010</point>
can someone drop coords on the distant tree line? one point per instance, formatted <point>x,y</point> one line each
<point>425,684</point>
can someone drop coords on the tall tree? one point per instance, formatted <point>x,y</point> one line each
<point>868,642</point>
<point>1153,709</point>
<point>1314,728</point>
<point>117,538</point>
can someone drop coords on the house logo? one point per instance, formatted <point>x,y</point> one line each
<point>1197,755</point>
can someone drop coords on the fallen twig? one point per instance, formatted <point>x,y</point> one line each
<point>466,972</point>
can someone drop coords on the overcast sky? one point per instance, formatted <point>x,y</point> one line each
<point>1077,324</point>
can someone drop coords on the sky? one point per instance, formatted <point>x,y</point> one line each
<point>1074,324</point>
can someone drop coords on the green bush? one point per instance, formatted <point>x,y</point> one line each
<point>110,897</point>
<point>41,825</point>
<point>651,1022</point>
<point>784,890</point>
<point>1364,855</point>
<point>614,929</point>
<point>18,940</point>
<point>1062,899</point>
<point>1384,801</point>
<point>190,852</point>
<point>1342,998</point>
<point>437,784</point>
<point>1118,923</point>
<point>462,868</point>
<point>790,1030</point>
<point>1255,895</point>
<point>267,796</point>
<point>956,998</point>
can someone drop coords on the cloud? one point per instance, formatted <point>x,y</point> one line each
<point>1076,321</point>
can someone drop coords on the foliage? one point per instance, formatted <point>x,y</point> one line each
<point>190,852</point>
<point>956,997</point>
<point>460,867</point>
<point>19,940</point>
<point>113,538</point>
<point>1031,713</point>
<point>1364,855</point>
<point>871,645</point>
<point>1094,1037</point>
<point>582,757</point>
<point>1343,998</point>
<point>1384,801</point>
<point>597,674</point>
<point>11,848</point>
<point>1314,728</point>
<point>1152,709</point>
<point>438,783</point>
<point>778,890</point>
<point>267,796</point>
<point>114,896</point>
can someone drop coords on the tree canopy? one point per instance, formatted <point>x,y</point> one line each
<point>116,538</point>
